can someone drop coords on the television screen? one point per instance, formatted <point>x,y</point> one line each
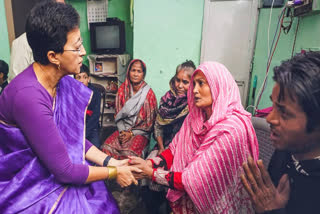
<point>107,37</point>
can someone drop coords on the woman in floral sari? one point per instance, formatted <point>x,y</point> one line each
<point>136,107</point>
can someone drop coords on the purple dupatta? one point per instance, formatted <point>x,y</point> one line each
<point>26,186</point>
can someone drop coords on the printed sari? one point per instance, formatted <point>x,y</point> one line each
<point>209,153</point>
<point>173,109</point>
<point>136,113</point>
<point>27,186</point>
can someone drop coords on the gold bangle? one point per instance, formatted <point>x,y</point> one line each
<point>112,172</point>
<point>131,133</point>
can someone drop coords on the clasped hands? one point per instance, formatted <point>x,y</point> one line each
<point>264,195</point>
<point>144,165</point>
<point>132,169</point>
<point>125,172</point>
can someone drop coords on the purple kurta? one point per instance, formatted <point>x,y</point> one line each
<point>42,150</point>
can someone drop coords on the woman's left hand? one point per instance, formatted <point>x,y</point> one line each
<point>125,136</point>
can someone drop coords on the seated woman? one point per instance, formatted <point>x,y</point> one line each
<point>173,107</point>
<point>202,166</point>
<point>43,151</point>
<point>136,107</point>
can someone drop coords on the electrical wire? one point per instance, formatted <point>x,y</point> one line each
<point>268,66</point>
<point>269,28</point>
<point>275,34</point>
<point>286,28</point>
<point>281,17</point>
<point>295,37</point>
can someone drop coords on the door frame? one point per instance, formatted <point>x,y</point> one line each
<point>256,4</point>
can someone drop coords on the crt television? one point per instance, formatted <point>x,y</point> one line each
<point>108,37</point>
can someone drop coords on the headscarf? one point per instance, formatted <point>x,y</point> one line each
<point>172,106</point>
<point>143,123</point>
<point>125,91</point>
<point>210,153</point>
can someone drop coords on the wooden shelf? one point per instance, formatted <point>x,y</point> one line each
<point>103,75</point>
<point>111,94</point>
<point>112,69</point>
<point>109,111</point>
<point>109,124</point>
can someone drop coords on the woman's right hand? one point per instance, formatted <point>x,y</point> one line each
<point>125,177</point>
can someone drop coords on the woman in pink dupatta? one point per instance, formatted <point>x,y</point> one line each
<point>202,166</point>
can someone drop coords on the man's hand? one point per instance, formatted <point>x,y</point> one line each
<point>264,195</point>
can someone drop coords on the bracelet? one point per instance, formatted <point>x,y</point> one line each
<point>112,172</point>
<point>106,161</point>
<point>153,175</point>
<point>131,133</point>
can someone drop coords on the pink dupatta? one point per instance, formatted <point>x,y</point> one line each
<point>210,154</point>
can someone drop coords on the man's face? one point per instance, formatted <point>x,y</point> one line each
<point>288,125</point>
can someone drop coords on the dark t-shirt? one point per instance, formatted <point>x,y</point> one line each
<point>304,183</point>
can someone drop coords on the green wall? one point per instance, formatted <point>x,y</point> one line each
<point>4,40</point>
<point>307,38</point>
<point>121,9</point>
<point>116,8</point>
<point>166,33</point>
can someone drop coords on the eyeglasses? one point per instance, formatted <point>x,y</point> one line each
<point>77,50</point>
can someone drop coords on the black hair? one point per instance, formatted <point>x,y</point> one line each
<point>48,24</point>
<point>300,78</point>
<point>144,69</point>
<point>4,68</point>
<point>84,69</point>
<point>186,64</point>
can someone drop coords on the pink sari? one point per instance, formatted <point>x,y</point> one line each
<point>210,153</point>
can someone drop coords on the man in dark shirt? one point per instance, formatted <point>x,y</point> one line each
<point>3,75</point>
<point>293,184</point>
<point>93,111</point>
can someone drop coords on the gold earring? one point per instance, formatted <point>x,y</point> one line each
<point>59,67</point>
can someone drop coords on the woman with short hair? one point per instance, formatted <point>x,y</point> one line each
<point>43,151</point>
